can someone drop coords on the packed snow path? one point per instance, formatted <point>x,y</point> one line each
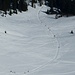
<point>56,41</point>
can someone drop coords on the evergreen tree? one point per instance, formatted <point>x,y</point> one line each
<point>33,1</point>
<point>22,6</point>
<point>40,1</point>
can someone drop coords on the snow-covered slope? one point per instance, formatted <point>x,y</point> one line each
<point>36,44</point>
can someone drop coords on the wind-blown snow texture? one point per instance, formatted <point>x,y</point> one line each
<point>37,44</point>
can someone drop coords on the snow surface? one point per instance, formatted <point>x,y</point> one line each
<point>37,44</point>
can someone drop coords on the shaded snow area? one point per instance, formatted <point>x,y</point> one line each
<point>37,44</point>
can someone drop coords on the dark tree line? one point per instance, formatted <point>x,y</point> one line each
<point>65,6</point>
<point>8,5</point>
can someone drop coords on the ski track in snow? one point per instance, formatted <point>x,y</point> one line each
<point>57,52</point>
